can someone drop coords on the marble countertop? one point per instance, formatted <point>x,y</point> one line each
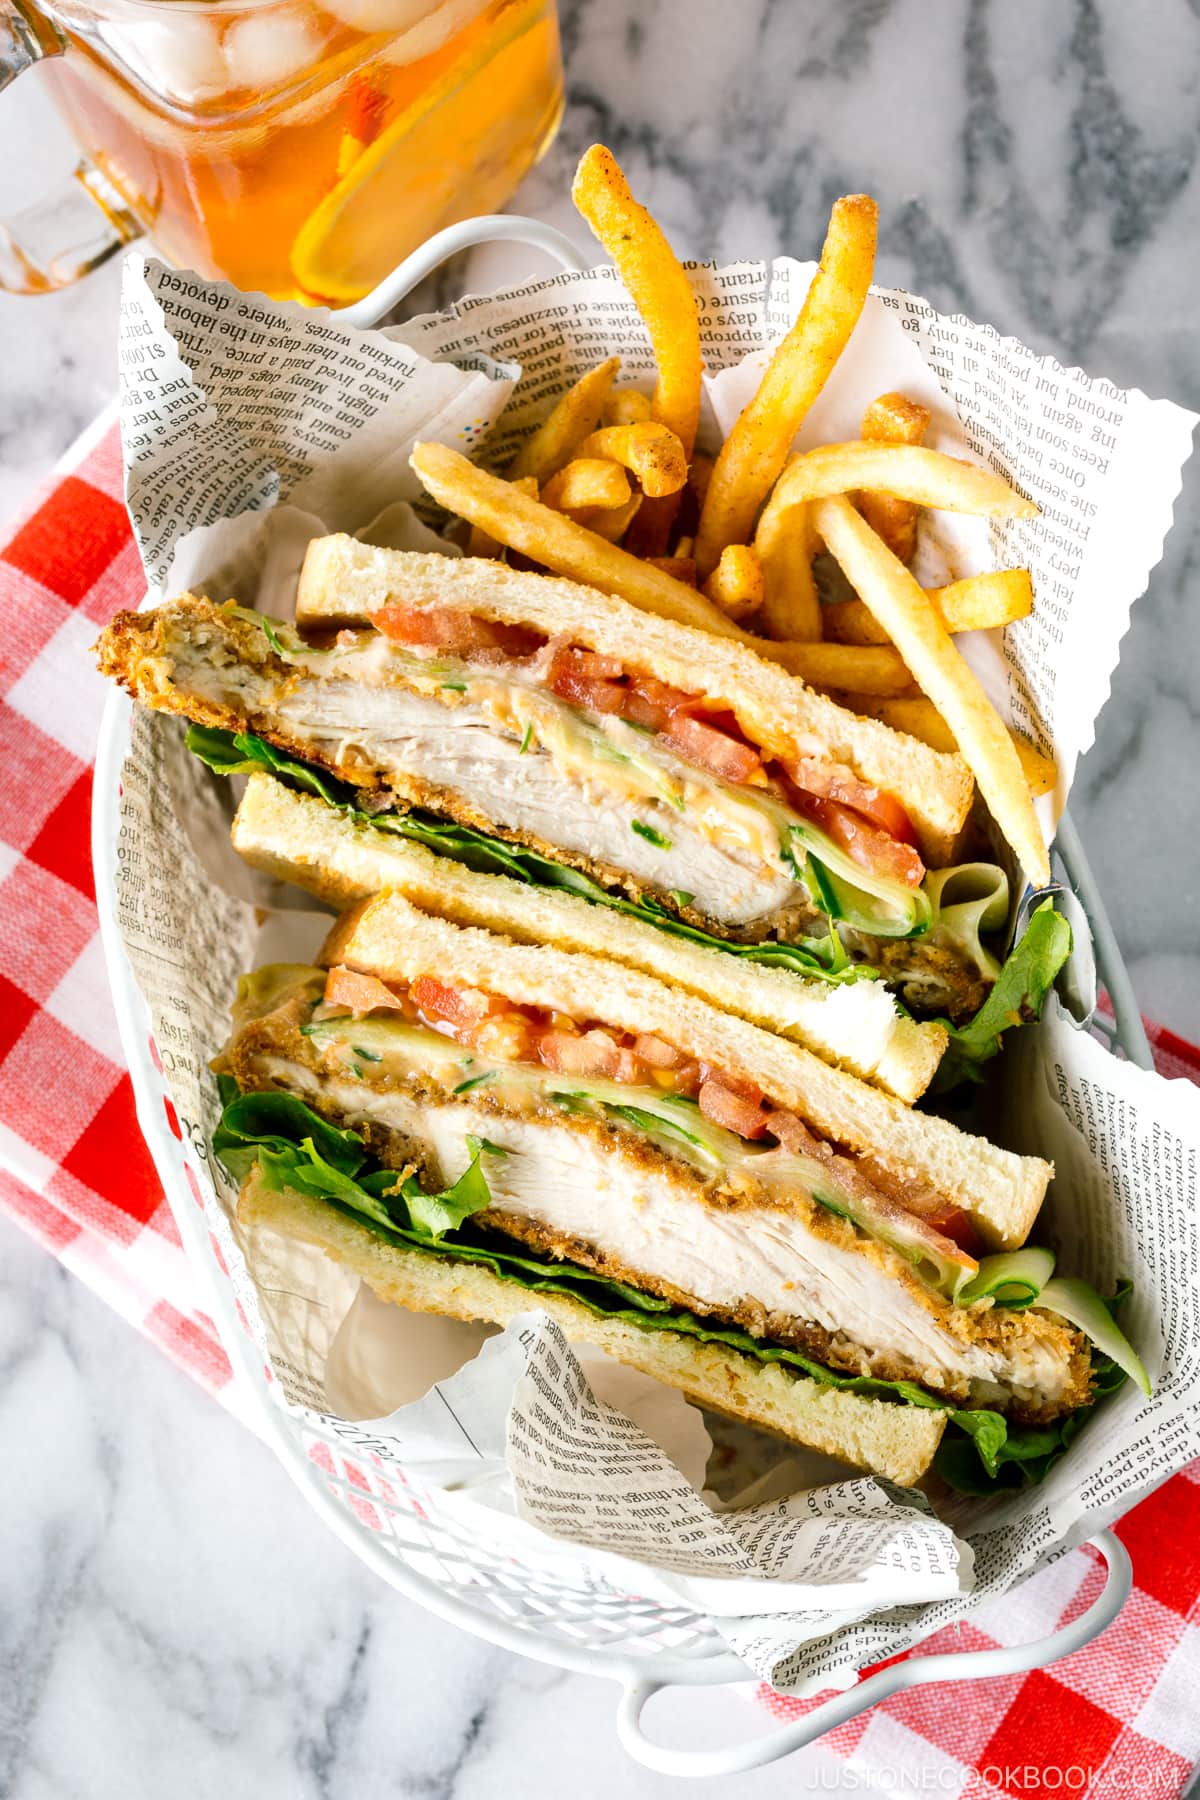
<point>174,1618</point>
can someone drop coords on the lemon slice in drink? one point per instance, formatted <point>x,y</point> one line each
<point>459,149</point>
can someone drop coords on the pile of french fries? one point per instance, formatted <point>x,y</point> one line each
<point>610,490</point>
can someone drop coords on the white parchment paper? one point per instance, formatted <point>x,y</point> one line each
<point>250,428</point>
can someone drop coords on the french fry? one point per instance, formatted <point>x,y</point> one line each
<point>684,547</point>
<point>893,419</point>
<point>586,481</point>
<point>978,602</point>
<point>482,543</point>
<point>683,568</point>
<point>558,542</point>
<point>657,285</point>
<point>975,603</point>
<point>611,523</point>
<point>627,406</point>
<point>875,669</point>
<point>753,455</point>
<point>785,546</point>
<point>906,471</point>
<point>567,424</point>
<point>920,718</point>
<point>903,610</point>
<point>654,453</point>
<point>736,584</point>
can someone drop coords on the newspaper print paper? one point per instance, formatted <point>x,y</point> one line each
<point>249,429</point>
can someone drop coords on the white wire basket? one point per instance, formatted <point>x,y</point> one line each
<point>404,1532</point>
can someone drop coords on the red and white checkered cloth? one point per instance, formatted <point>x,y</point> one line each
<point>1121,1717</point>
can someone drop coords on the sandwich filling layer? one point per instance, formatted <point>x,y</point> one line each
<point>599,1173</point>
<point>549,745</point>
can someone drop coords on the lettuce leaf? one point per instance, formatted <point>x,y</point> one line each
<point>1027,975</point>
<point>241,753</point>
<point>981,1451</point>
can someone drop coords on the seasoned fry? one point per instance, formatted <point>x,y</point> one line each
<point>907,471</point>
<point>920,718</point>
<point>893,419</point>
<point>586,481</point>
<point>557,542</point>
<point>903,610</point>
<point>627,406</point>
<point>755,451</point>
<point>652,452</point>
<point>683,568</point>
<point>871,669</point>
<point>656,283</point>
<point>736,584</point>
<point>785,546</point>
<point>567,424</point>
<point>975,603</point>
<point>482,543</point>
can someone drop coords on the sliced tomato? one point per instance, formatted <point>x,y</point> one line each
<point>573,675</point>
<point>712,749</point>
<point>579,1052</point>
<point>871,848</point>
<point>656,1051</point>
<point>833,781</point>
<point>360,993</point>
<point>461,1008</point>
<point>652,703</point>
<point>794,1135</point>
<point>731,1106</point>
<point>958,1226</point>
<point>449,628</point>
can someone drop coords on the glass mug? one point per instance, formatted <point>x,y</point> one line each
<point>297,147</point>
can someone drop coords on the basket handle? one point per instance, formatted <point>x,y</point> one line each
<point>489,229</point>
<point>957,1665</point>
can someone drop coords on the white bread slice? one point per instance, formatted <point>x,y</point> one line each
<point>886,1437</point>
<point>1000,1191</point>
<point>344,582</point>
<point>857,1025</point>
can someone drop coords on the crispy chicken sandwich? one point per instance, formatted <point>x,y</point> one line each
<point>477,1125</point>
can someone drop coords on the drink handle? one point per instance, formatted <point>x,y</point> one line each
<point>55,241</point>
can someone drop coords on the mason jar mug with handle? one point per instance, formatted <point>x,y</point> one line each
<point>299,148</point>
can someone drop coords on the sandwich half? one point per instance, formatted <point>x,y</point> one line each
<point>657,762</point>
<point>476,1125</point>
<point>342,857</point>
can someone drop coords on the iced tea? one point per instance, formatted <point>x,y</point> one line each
<point>303,149</point>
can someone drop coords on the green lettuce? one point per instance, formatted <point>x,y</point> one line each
<point>1021,987</point>
<point>296,1148</point>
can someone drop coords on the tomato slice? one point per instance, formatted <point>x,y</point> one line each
<point>711,749</point>
<point>871,848</point>
<point>732,1106</point>
<point>652,703</point>
<point>958,1226</point>
<point>833,781</point>
<point>461,1008</point>
<point>580,1052</point>
<point>360,993</point>
<point>449,628</point>
<point>586,680</point>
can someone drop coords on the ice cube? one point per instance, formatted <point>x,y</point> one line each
<point>431,33</point>
<point>265,50</point>
<point>385,15</point>
<point>182,62</point>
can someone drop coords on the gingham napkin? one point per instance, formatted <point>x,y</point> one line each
<point>1121,1717</point>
